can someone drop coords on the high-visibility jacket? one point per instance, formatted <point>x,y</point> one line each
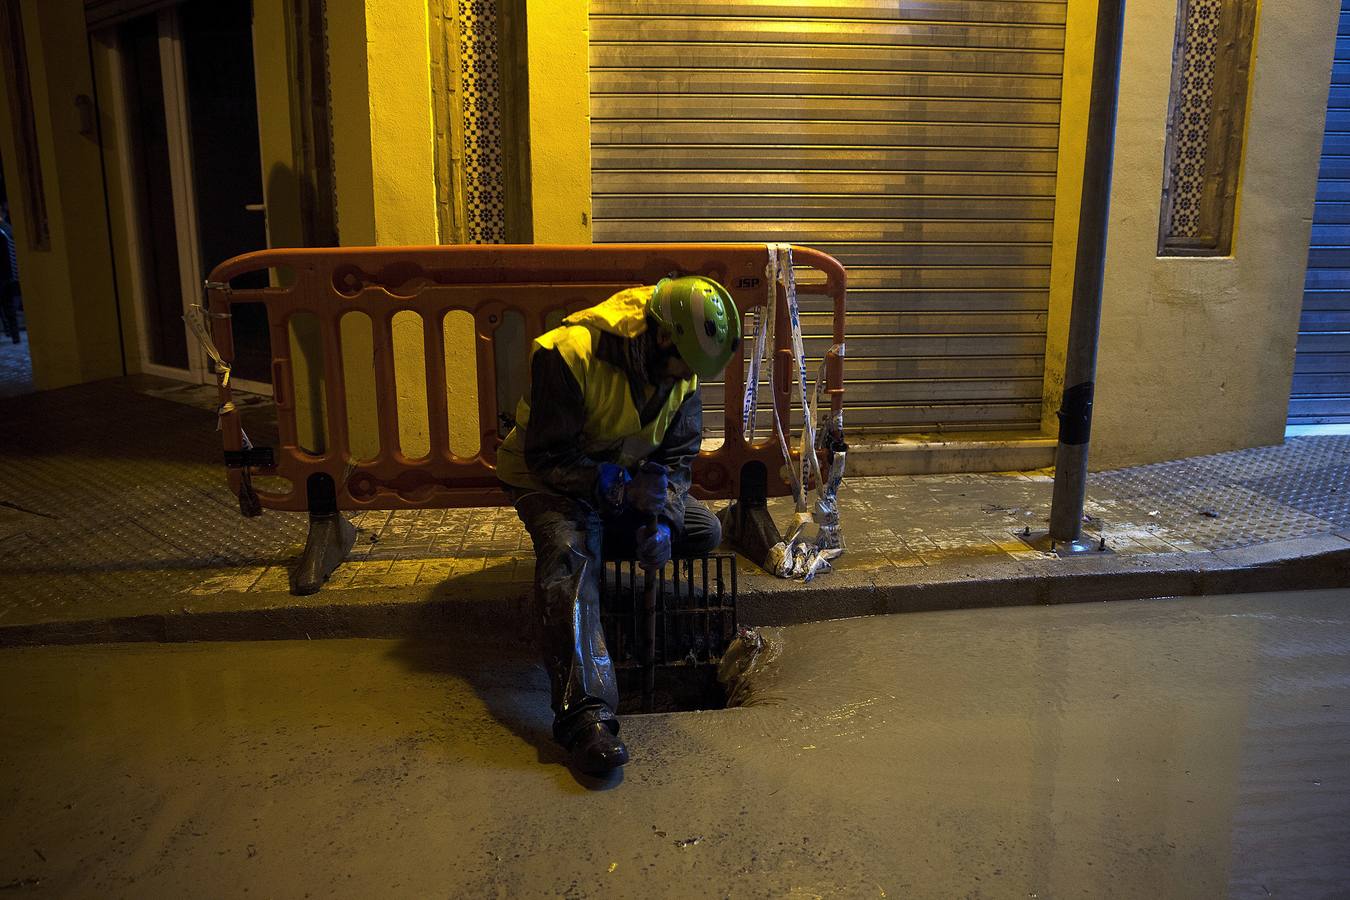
<point>613,429</point>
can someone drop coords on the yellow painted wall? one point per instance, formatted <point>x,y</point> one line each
<point>383,134</point>
<point>385,171</point>
<point>1075,91</point>
<point>350,107</point>
<point>1197,355</point>
<point>402,137</point>
<point>558,45</point>
<point>272,73</point>
<point>353,179</point>
<point>276,138</point>
<point>384,147</point>
<point>69,296</point>
<point>382,125</point>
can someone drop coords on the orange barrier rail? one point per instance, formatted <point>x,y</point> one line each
<point>486,281</point>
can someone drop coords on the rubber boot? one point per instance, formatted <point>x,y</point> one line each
<point>596,749</point>
<point>749,528</point>
<point>746,523</point>
<point>585,689</point>
<point>330,539</point>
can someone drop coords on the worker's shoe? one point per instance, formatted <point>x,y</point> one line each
<point>597,750</point>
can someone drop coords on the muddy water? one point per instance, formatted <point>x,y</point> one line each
<point>1188,748</point>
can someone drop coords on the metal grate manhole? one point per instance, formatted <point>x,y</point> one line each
<point>695,622</point>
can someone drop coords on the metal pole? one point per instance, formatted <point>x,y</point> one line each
<point>1075,414</point>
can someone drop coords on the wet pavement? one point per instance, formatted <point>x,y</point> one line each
<point>1182,748</point>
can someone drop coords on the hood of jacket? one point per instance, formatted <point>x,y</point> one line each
<point>624,314</point>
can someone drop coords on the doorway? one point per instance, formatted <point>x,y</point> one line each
<point>1319,401</point>
<point>16,366</point>
<point>188,120</point>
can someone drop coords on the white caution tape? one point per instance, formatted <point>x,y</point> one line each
<point>780,428</point>
<point>197,325</point>
<point>196,321</point>
<point>761,319</point>
<point>799,556</point>
<point>810,465</point>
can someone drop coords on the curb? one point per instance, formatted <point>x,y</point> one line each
<point>497,613</point>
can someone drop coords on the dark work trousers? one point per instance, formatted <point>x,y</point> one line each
<point>569,537</point>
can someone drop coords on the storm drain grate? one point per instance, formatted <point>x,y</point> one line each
<point>695,623</point>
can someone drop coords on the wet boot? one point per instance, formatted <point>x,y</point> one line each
<point>585,690</point>
<point>597,750</point>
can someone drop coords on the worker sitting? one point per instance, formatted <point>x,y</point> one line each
<point>598,463</point>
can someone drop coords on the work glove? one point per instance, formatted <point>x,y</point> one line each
<point>653,545</point>
<point>611,483</point>
<point>647,490</point>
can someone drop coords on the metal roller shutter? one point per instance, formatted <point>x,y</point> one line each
<point>1321,391</point>
<point>915,142</point>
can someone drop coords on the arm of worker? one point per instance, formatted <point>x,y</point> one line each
<point>683,439</point>
<point>553,437</point>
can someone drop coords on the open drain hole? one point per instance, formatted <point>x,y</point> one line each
<point>676,689</point>
<point>694,624</point>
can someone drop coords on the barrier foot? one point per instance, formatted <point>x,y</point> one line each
<point>746,522</point>
<point>330,538</point>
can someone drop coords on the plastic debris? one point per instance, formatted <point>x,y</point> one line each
<point>750,655</point>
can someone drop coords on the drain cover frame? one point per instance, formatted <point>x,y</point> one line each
<point>695,624</point>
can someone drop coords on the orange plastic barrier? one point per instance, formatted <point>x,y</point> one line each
<point>487,282</point>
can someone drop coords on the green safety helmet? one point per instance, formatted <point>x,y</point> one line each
<point>702,320</point>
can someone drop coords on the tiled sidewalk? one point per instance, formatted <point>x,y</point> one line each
<point>112,502</point>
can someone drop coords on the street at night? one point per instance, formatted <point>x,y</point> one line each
<point>1131,749</point>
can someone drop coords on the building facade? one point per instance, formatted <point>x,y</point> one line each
<point>937,149</point>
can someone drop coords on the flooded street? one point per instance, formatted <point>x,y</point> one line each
<point>1184,748</point>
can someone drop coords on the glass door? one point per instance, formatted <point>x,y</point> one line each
<point>189,120</point>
